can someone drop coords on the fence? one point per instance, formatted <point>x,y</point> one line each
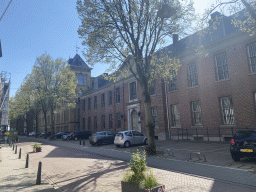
<point>206,134</point>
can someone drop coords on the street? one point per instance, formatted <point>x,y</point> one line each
<point>69,166</point>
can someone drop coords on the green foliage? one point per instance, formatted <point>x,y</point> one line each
<point>37,145</point>
<point>138,167</point>
<point>150,181</point>
<point>13,135</point>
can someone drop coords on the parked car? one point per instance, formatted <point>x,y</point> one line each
<point>24,134</point>
<point>80,135</point>
<point>43,134</point>
<point>104,137</point>
<point>128,138</point>
<point>60,134</point>
<point>66,136</point>
<point>243,144</point>
<point>32,133</point>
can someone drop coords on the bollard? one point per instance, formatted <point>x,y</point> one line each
<point>16,150</point>
<point>13,147</point>
<point>83,142</point>
<point>38,179</point>
<point>80,142</point>
<point>20,154</point>
<point>26,166</point>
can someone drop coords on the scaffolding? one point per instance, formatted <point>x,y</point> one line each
<point>5,83</point>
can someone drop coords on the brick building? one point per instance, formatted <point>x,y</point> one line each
<point>212,95</point>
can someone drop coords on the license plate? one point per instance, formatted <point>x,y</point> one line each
<point>246,150</point>
<point>117,139</point>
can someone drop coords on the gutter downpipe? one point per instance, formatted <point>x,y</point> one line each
<point>167,111</point>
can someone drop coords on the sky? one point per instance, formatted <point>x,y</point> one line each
<point>30,28</point>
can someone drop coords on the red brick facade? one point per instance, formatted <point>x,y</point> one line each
<point>215,93</point>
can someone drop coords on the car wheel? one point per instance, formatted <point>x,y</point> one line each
<point>99,143</point>
<point>146,142</point>
<point>126,144</point>
<point>76,138</point>
<point>235,157</point>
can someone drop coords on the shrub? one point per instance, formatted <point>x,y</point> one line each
<point>150,181</point>
<point>138,167</point>
<point>37,145</point>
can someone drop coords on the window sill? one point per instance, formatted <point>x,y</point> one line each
<point>223,126</point>
<point>193,87</point>
<point>222,80</point>
<point>250,74</point>
<point>175,127</point>
<point>197,126</point>
<point>153,94</point>
<point>173,91</point>
<point>134,100</point>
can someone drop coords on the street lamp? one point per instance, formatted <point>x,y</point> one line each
<point>166,11</point>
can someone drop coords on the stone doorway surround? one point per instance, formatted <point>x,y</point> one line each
<point>130,109</point>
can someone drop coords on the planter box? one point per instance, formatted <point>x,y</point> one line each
<point>39,149</point>
<point>128,187</point>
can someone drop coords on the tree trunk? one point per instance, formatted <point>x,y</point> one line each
<point>149,124</point>
<point>36,117</point>
<point>45,125</point>
<point>52,123</point>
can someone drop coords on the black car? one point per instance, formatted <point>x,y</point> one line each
<point>43,134</point>
<point>243,144</point>
<point>77,135</point>
<point>99,138</point>
<point>60,134</point>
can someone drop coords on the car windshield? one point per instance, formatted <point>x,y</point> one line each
<point>119,134</point>
<point>245,134</point>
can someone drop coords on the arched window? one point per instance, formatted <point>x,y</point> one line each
<point>80,79</point>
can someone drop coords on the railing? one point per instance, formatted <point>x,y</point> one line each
<point>219,132</point>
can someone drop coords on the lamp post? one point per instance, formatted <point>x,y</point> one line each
<point>166,11</point>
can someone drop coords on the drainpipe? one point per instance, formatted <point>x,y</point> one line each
<point>167,110</point>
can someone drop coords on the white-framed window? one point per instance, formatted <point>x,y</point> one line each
<point>95,102</point>
<point>103,122</point>
<point>192,75</point>
<point>103,100</point>
<point>254,95</point>
<point>221,66</point>
<point>251,49</point>
<point>80,79</point>
<point>117,95</point>
<point>155,117</point>
<point>118,121</point>
<point>110,122</point>
<point>175,114</point>
<point>133,91</point>
<point>151,87</point>
<point>173,82</point>
<point>227,110</point>
<point>196,113</point>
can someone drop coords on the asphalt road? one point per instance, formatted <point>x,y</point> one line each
<point>72,167</point>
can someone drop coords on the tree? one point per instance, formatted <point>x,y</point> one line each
<point>22,103</point>
<point>53,86</point>
<point>129,33</point>
<point>244,13</point>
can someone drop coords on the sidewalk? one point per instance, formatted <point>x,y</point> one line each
<point>71,167</point>
<point>15,177</point>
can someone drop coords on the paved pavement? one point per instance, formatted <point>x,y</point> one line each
<point>69,166</point>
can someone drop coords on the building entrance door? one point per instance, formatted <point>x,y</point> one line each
<point>135,120</point>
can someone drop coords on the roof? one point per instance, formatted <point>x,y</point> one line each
<point>78,62</point>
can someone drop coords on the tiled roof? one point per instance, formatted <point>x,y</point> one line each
<point>78,62</point>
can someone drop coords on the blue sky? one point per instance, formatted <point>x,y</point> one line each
<point>30,28</point>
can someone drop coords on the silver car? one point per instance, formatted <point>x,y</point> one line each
<point>127,138</point>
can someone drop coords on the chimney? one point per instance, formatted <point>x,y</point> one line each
<point>175,39</point>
